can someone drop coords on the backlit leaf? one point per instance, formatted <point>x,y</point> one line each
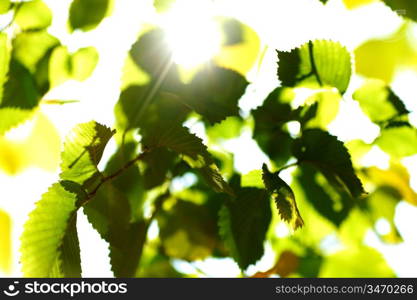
<point>5,242</point>
<point>33,15</point>
<point>381,58</point>
<point>214,93</point>
<point>284,198</point>
<point>4,6</point>
<point>356,262</point>
<point>396,177</point>
<point>83,63</point>
<point>46,228</point>
<point>59,66</point>
<point>352,4</point>
<point>83,149</point>
<point>316,63</point>
<point>398,141</point>
<point>30,47</point>
<point>68,262</point>
<point>379,102</point>
<point>240,49</point>
<point>4,62</point>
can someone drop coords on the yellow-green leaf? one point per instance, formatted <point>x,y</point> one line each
<point>33,15</point>
<point>5,242</point>
<point>284,198</point>
<point>46,228</point>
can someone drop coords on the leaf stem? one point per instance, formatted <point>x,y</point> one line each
<point>288,166</point>
<point>313,63</point>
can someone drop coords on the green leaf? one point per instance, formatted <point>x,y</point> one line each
<point>46,228</point>
<point>83,63</point>
<point>59,66</point>
<point>110,213</point>
<point>326,110</point>
<point>244,223</point>
<point>4,6</point>
<point>83,149</point>
<point>151,53</point>
<point>68,262</point>
<point>78,66</point>
<point>330,157</point>
<point>382,58</point>
<point>116,212</point>
<point>126,249</point>
<point>4,62</point>
<point>11,117</point>
<point>132,113</point>
<point>356,262</point>
<point>240,48</point>
<point>397,177</point>
<point>284,198</point>
<point>6,242</point>
<point>398,141</point>
<point>229,128</point>
<point>381,204</point>
<point>87,14</point>
<point>109,208</point>
<point>33,15</point>
<point>187,231</point>
<point>316,63</point>
<point>332,205</point>
<point>403,8</point>
<point>192,150</point>
<point>253,179</point>
<point>158,163</point>
<point>30,47</point>
<point>214,93</point>
<point>20,90</point>
<point>379,102</point>
<point>269,132</point>
<point>163,5</point>
<point>123,195</point>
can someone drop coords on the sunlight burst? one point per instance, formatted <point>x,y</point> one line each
<point>192,33</point>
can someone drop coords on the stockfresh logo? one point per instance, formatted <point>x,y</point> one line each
<point>12,289</point>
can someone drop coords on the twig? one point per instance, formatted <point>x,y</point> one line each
<point>288,166</point>
<point>117,173</point>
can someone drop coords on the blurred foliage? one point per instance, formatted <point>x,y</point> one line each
<point>381,58</point>
<point>183,183</point>
<point>5,242</point>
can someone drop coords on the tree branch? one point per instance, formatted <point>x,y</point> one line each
<point>117,173</point>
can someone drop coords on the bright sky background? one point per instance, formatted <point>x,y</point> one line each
<point>282,24</point>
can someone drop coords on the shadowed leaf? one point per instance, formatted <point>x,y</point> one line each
<point>243,224</point>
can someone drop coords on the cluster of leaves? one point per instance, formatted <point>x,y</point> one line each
<point>221,213</point>
<point>32,61</point>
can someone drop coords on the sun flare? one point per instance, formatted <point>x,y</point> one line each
<point>192,33</point>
